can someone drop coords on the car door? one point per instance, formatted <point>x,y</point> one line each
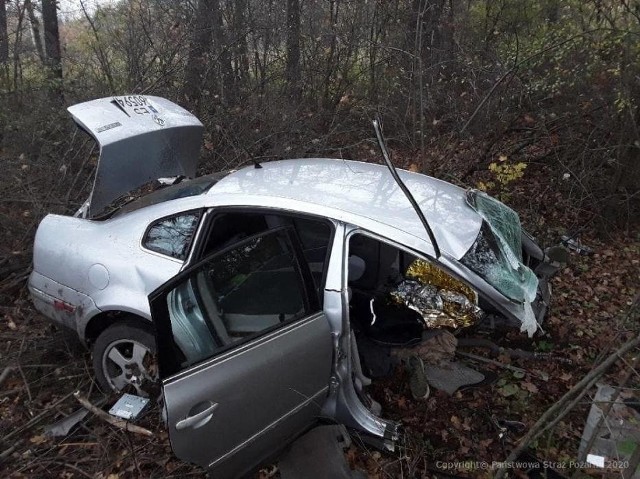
<point>244,351</point>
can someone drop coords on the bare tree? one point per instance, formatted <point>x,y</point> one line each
<point>35,29</point>
<point>4,37</point>
<point>241,51</point>
<point>293,48</point>
<point>199,50</point>
<point>226,88</point>
<point>52,40</point>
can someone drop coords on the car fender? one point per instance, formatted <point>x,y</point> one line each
<point>62,304</point>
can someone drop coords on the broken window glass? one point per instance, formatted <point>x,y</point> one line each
<point>172,236</point>
<point>497,253</point>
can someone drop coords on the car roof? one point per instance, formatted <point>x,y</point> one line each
<point>364,194</point>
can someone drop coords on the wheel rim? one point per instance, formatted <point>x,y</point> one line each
<point>128,363</point>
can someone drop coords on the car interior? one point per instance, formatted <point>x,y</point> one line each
<point>250,283</point>
<point>378,323</point>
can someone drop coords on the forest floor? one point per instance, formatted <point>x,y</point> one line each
<point>593,297</point>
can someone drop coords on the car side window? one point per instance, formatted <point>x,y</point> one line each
<point>315,238</point>
<point>172,236</point>
<point>237,294</point>
<point>313,234</point>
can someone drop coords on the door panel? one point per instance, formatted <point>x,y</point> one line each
<point>245,352</point>
<point>264,391</point>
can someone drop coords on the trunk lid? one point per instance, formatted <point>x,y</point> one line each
<point>141,139</point>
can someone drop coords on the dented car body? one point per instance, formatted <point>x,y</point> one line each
<point>254,287</point>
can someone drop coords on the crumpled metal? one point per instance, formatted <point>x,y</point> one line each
<point>441,300</point>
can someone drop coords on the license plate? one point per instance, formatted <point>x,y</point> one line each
<point>135,105</point>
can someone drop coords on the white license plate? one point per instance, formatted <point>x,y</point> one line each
<point>135,105</point>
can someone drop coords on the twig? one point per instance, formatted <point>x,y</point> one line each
<point>36,419</point>
<point>7,452</point>
<point>26,383</point>
<point>492,361</point>
<point>70,466</point>
<point>5,373</point>
<point>24,378</point>
<point>487,96</point>
<point>516,66</point>
<point>120,423</point>
<point>556,411</point>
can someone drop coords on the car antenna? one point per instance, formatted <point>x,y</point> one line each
<point>387,159</point>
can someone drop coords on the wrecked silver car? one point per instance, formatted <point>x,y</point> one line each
<point>255,288</point>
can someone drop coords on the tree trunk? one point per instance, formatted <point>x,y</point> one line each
<point>227,88</point>
<point>374,37</point>
<point>4,37</point>
<point>293,49</point>
<point>35,29</point>
<point>52,42</point>
<point>427,21</point>
<point>240,41</point>
<point>334,11</point>
<point>17,47</point>
<point>199,50</point>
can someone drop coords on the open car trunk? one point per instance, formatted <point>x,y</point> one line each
<point>141,139</point>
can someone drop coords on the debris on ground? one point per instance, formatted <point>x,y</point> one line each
<point>612,430</point>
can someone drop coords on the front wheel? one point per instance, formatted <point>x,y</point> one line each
<point>124,360</point>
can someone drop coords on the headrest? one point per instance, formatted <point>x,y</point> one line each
<point>356,268</point>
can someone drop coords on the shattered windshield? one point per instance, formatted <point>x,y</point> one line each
<point>497,253</point>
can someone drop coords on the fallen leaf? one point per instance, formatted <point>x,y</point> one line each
<point>509,390</point>
<point>39,439</point>
<point>455,420</point>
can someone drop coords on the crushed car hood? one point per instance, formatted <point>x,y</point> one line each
<point>141,139</point>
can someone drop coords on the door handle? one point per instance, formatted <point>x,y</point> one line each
<point>197,420</point>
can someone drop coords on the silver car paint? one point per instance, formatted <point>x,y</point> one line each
<point>261,400</point>
<point>343,403</point>
<point>66,248</point>
<point>364,192</point>
<point>141,139</point>
<point>69,249</point>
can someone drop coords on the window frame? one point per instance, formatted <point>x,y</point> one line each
<point>197,211</point>
<point>170,355</point>
<point>208,219</point>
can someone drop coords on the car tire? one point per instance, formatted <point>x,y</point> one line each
<point>124,360</point>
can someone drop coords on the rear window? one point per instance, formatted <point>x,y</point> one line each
<point>183,189</point>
